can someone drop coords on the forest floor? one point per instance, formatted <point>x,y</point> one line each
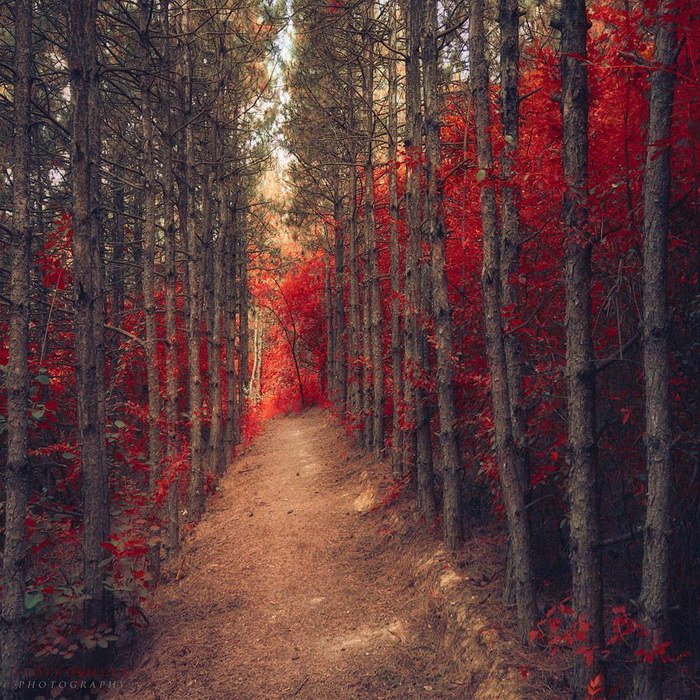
<point>293,585</point>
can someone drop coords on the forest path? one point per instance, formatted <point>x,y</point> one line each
<point>283,590</point>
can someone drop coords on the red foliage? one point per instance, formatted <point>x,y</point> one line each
<point>295,340</point>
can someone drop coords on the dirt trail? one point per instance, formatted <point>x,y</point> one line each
<point>283,591</point>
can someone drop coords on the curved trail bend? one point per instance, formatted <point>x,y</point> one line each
<point>284,590</point>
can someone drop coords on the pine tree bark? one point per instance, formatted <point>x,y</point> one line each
<point>208,291</point>
<point>172,539</point>
<point>253,394</point>
<point>655,586</point>
<point>354,354</point>
<point>367,394</point>
<point>397,433</point>
<point>148,281</point>
<point>447,411</point>
<point>506,455</point>
<point>232,423</point>
<point>510,245</point>
<point>331,388</point>
<point>583,488</point>
<point>511,236</point>
<point>116,262</point>
<point>415,395</point>
<point>14,630</point>
<point>243,332</point>
<point>228,233</point>
<point>214,288</point>
<point>373,307</point>
<point>194,322</point>
<point>215,359</point>
<point>338,303</point>
<point>87,276</point>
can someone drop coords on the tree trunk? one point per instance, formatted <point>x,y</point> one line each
<point>510,249</point>
<point>416,403</point>
<point>148,285</point>
<point>354,359</point>
<point>243,332</point>
<point>507,457</point>
<point>447,411</point>
<point>208,293</point>
<point>194,322</point>
<point>82,58</point>
<point>510,221</point>
<point>231,427</point>
<point>14,631</point>
<point>584,497</point>
<point>172,540</point>
<point>339,305</point>
<point>367,394</point>
<point>395,261</point>
<point>330,333</point>
<point>255,372</point>
<point>116,261</point>
<point>215,359</point>
<point>373,301</point>
<point>654,595</point>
